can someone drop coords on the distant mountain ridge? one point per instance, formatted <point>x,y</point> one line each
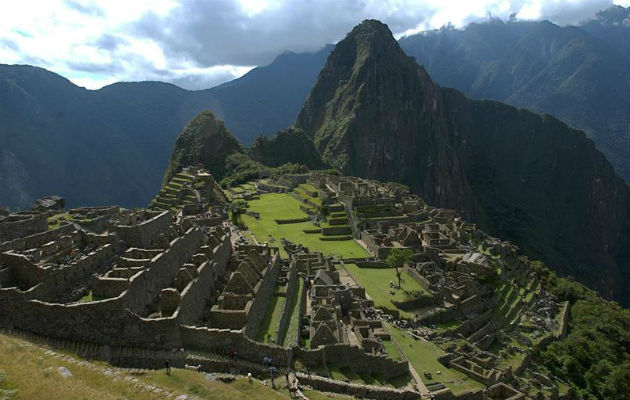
<point>63,129</point>
<point>111,146</point>
<point>578,74</point>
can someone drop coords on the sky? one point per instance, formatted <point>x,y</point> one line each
<point>198,44</point>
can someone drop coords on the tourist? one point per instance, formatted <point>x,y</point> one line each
<point>168,367</point>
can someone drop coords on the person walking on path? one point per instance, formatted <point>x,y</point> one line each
<point>168,367</point>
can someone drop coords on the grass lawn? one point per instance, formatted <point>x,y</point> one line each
<point>392,350</point>
<point>55,221</point>
<point>89,297</point>
<point>423,356</point>
<point>292,331</point>
<point>269,326</point>
<point>272,206</point>
<point>376,284</point>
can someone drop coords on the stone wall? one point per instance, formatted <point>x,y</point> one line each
<point>108,321</point>
<point>6,277</point>
<point>145,286</point>
<point>37,240</point>
<point>60,279</point>
<point>361,391</point>
<point>18,225</point>
<point>63,279</point>
<point>213,220</point>
<point>336,230</point>
<point>196,294</point>
<point>414,304</point>
<point>372,264</point>
<point>343,355</point>
<point>144,233</point>
<point>109,287</point>
<point>417,276</point>
<point>104,322</point>
<point>98,224</point>
<point>220,341</point>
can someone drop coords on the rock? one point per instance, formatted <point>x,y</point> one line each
<point>64,372</point>
<point>181,397</point>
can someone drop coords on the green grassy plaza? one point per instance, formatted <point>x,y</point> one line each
<point>274,206</point>
<point>376,284</point>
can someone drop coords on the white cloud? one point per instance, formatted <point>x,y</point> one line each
<point>199,43</point>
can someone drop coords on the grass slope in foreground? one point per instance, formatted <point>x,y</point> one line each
<point>281,206</point>
<point>29,371</point>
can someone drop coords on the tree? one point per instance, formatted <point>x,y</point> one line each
<point>236,208</point>
<point>397,258</point>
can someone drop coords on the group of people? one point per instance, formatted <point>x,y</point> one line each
<point>268,363</point>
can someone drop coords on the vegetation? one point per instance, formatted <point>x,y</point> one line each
<point>397,258</point>
<point>595,355</point>
<point>240,169</point>
<point>288,145</point>
<point>237,208</point>
<point>290,168</point>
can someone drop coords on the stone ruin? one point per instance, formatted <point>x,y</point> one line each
<point>176,276</point>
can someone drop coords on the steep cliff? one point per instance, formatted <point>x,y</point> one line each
<point>289,145</point>
<point>546,187</point>
<point>526,177</point>
<point>375,113</point>
<point>579,74</point>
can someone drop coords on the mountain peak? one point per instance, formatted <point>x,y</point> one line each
<point>373,38</point>
<point>375,113</point>
<point>370,27</point>
<point>206,141</point>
